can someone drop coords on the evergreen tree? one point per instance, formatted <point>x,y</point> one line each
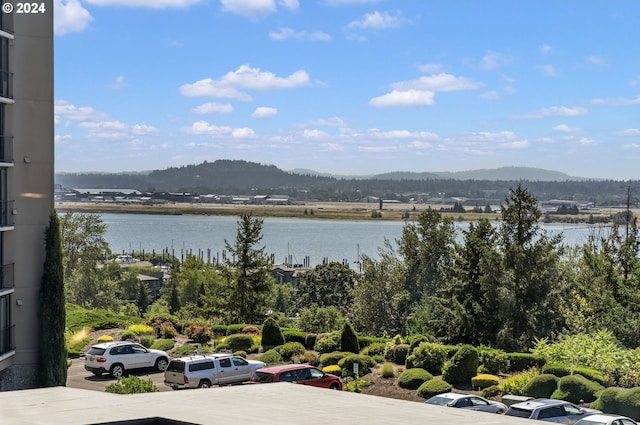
<point>53,350</point>
<point>247,273</point>
<point>349,339</point>
<point>174,301</point>
<point>326,285</point>
<point>271,333</point>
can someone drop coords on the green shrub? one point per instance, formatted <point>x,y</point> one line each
<point>185,350</point>
<point>141,329</point>
<point>218,331</point>
<point>416,340</point>
<point>608,402</point>
<point>236,328</point>
<point>524,361</point>
<point>541,386</point>
<point>462,367</point>
<point>411,379</point>
<point>433,387</point>
<point>365,341</point>
<point>484,380</point>
<point>272,335</point>
<point>147,340</point>
<point>105,338</point>
<point>491,391</point>
<point>328,359</point>
<point>325,345</point>
<point>378,358</point>
<point>365,363</point>
<point>375,348</point>
<point>198,333</point>
<point>356,385</point>
<point>127,335</point>
<point>292,335</point>
<point>241,353</point>
<point>349,339</point>
<point>238,342</point>
<point>494,361</point>
<point>96,319</point>
<point>577,389</point>
<point>290,349</point>
<point>515,384</point>
<point>251,330</point>
<point>400,353</point>
<point>271,357</point>
<point>591,374</point>
<point>387,370</point>
<point>310,341</point>
<point>428,356</point>
<point>132,385</point>
<point>557,369</point>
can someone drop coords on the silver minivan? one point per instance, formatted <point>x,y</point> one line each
<point>204,371</point>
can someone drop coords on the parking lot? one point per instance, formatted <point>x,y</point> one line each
<point>77,377</point>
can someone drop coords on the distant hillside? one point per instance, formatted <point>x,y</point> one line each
<point>511,174</point>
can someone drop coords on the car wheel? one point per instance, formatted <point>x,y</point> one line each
<point>500,411</point>
<point>334,386</point>
<point>161,364</point>
<point>117,370</point>
<point>204,384</point>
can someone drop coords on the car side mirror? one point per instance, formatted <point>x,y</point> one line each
<point>451,404</point>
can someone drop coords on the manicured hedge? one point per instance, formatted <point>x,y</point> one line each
<point>291,349</point>
<point>365,363</point>
<point>411,379</point>
<point>523,361</point>
<point>484,380</point>
<point>462,367</point>
<point>328,359</point>
<point>577,389</point>
<point>429,356</point>
<point>433,387</point>
<point>365,341</point>
<point>270,357</point>
<point>541,386</point>
<point>291,335</point>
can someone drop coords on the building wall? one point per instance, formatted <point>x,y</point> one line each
<point>29,184</point>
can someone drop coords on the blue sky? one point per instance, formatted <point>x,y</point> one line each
<point>349,86</point>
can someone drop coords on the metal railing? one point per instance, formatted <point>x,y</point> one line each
<point>7,275</point>
<point>6,148</point>
<point>6,213</point>
<point>7,339</point>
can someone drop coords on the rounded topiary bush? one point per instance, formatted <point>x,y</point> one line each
<point>270,357</point>
<point>462,367</point>
<point>541,386</point>
<point>557,369</point>
<point>239,342</point>
<point>524,361</point>
<point>484,380</point>
<point>428,356</point>
<point>333,369</point>
<point>325,345</point>
<point>310,340</point>
<point>400,353</point>
<point>608,401</point>
<point>163,344</point>
<point>416,340</point>
<point>591,374</point>
<point>577,389</point>
<point>411,379</point>
<point>105,338</point>
<point>491,391</point>
<point>365,363</point>
<point>433,387</point>
<point>290,349</point>
<point>241,353</point>
<point>374,349</point>
<point>493,361</point>
<point>271,334</point>
<point>328,359</point>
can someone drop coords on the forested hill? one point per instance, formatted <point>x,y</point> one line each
<point>248,178</point>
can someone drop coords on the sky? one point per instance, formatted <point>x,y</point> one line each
<point>349,87</point>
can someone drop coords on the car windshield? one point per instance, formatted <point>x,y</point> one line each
<point>521,413</point>
<point>262,377</point>
<point>96,351</point>
<point>176,366</point>
<point>439,401</point>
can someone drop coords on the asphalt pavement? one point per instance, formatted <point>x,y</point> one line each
<point>77,377</point>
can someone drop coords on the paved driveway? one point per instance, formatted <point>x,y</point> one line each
<point>77,377</point>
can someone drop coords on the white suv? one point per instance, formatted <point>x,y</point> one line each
<point>117,358</point>
<point>205,371</point>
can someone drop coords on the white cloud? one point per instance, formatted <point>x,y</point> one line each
<point>555,111</point>
<point>563,128</point>
<point>431,67</point>
<point>213,108</point>
<point>67,111</point>
<point>314,134</point>
<point>347,2</point>
<point>597,60</point>
<point>330,122</point>
<point>151,4</point>
<point>118,83</point>
<point>493,60</point>
<point>377,20</point>
<point>401,134</point>
<point>490,95</point>
<point>438,83</point>
<point>69,16</point>
<point>102,125</point>
<point>547,70</point>
<point>244,77</point>
<point>517,144</point>
<point>628,132</point>
<point>257,8</point>
<point>144,130</point>
<point>203,127</point>
<point>406,98</point>
<point>631,146</point>
<point>264,112</point>
<point>285,33</point>
<point>616,102</point>
<point>243,133</point>
<point>545,49</point>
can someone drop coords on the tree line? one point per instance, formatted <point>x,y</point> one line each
<point>504,285</point>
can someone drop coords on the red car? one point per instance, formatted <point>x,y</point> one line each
<point>298,373</point>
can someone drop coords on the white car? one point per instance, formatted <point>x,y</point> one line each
<point>208,370</point>
<point>606,420</point>
<point>117,358</point>
<point>464,401</point>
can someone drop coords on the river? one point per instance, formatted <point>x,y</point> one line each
<point>288,240</point>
